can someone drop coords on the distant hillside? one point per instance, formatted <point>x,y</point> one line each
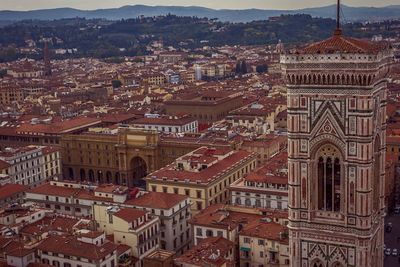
<point>350,13</point>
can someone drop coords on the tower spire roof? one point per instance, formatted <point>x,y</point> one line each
<point>338,30</point>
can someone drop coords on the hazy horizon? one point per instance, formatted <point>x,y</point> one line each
<point>24,5</point>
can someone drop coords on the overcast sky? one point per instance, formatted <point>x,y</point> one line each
<point>218,4</point>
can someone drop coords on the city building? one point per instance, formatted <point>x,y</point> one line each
<point>174,211</point>
<point>32,165</point>
<point>258,117</point>
<point>265,187</point>
<point>336,129</point>
<point>265,147</point>
<point>168,124</point>
<point>159,258</point>
<point>206,107</point>
<point>264,243</point>
<point>222,220</point>
<point>4,177</point>
<point>90,201</point>
<point>212,251</point>
<point>11,194</point>
<point>203,174</point>
<point>52,163</point>
<point>75,199</point>
<point>124,155</point>
<point>10,94</point>
<point>136,228</point>
<point>85,250</point>
<point>45,132</point>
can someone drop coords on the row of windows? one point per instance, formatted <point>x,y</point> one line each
<point>67,264</point>
<point>208,232</point>
<point>257,203</point>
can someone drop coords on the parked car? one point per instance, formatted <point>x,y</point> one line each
<point>388,251</point>
<point>394,252</point>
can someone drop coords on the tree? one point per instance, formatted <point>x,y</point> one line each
<point>243,67</point>
<point>116,83</point>
<point>262,68</point>
<point>238,70</point>
<point>3,72</point>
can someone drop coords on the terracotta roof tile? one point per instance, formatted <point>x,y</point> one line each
<point>157,200</point>
<point>266,230</point>
<point>69,245</point>
<point>8,190</point>
<point>129,214</point>
<point>341,44</point>
<point>211,251</point>
<point>206,175</point>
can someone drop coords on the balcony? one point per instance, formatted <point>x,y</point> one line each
<point>245,253</point>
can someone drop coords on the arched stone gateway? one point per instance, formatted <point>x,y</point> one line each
<point>138,170</point>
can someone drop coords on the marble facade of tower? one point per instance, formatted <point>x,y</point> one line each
<point>336,147</point>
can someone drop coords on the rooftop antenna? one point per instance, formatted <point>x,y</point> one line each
<point>338,30</point>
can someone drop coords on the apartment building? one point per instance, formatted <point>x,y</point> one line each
<point>168,124</point>
<point>212,251</point>
<point>136,228</point>
<point>31,165</point>
<point>74,251</point>
<point>204,175</point>
<point>265,187</point>
<point>78,199</point>
<point>173,210</point>
<point>264,243</point>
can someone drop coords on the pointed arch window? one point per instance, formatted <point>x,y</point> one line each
<point>329,184</point>
<point>317,263</point>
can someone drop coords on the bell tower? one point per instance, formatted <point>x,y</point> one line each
<point>336,149</point>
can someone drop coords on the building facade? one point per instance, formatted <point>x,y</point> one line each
<point>168,124</point>
<point>77,251</point>
<point>173,210</point>
<point>264,243</point>
<point>265,187</point>
<point>10,94</point>
<point>32,165</point>
<point>336,150</point>
<point>206,107</point>
<point>204,175</point>
<point>133,227</point>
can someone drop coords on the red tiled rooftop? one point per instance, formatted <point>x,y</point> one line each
<point>53,190</point>
<point>69,245</point>
<point>50,149</point>
<point>164,121</point>
<point>339,43</point>
<point>205,175</point>
<point>57,127</point>
<point>157,200</point>
<point>50,223</point>
<point>8,190</point>
<point>266,230</point>
<point>224,216</point>
<point>211,251</point>
<point>130,214</point>
<point>62,191</point>
<point>4,165</point>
